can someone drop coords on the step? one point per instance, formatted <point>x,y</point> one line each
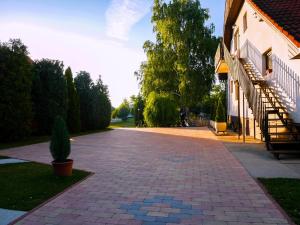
<point>284,133</point>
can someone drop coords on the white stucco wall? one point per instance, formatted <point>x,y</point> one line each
<point>263,35</point>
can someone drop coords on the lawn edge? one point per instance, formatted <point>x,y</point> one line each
<point>265,190</point>
<point>262,187</point>
<point>51,199</point>
<point>49,138</point>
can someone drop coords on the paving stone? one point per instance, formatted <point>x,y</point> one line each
<point>202,183</point>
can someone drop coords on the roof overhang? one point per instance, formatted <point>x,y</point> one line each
<point>232,10</point>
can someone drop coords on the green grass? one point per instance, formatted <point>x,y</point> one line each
<point>287,193</point>
<point>129,123</point>
<point>39,139</point>
<point>27,185</point>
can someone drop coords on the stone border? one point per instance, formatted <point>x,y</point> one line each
<point>281,210</point>
<point>51,199</point>
<point>287,217</point>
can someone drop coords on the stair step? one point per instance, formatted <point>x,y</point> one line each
<point>284,133</point>
<point>280,126</point>
<point>286,151</point>
<point>277,119</point>
<point>277,107</point>
<point>277,112</point>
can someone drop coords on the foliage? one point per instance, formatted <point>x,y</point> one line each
<point>129,123</point>
<point>220,112</point>
<point>210,102</point>
<point>15,91</point>
<point>73,113</point>
<point>60,141</point>
<point>49,94</point>
<point>115,113</point>
<point>25,186</point>
<point>84,85</point>
<point>123,110</point>
<point>101,105</point>
<point>180,62</point>
<point>161,110</point>
<point>286,193</point>
<point>138,110</point>
<point>95,106</point>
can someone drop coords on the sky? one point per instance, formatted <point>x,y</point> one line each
<point>102,37</point>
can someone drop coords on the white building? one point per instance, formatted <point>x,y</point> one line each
<point>260,53</point>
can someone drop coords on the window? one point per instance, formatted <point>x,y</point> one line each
<point>268,60</point>
<point>237,90</point>
<point>236,40</point>
<point>245,22</point>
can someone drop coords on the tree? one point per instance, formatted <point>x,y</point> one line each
<point>49,94</point>
<point>220,112</point>
<point>73,114</point>
<point>95,106</point>
<point>15,91</point>
<point>161,110</point>
<point>60,141</point>
<point>180,62</point>
<point>138,110</point>
<point>102,103</point>
<point>124,110</point>
<point>84,85</point>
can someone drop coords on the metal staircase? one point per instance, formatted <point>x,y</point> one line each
<point>281,134</point>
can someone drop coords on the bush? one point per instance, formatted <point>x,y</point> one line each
<point>220,113</point>
<point>161,110</point>
<point>60,141</point>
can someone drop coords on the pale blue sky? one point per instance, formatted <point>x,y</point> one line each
<point>100,36</point>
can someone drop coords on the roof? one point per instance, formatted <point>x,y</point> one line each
<point>283,14</point>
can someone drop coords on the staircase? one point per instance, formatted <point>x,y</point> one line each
<point>271,112</point>
<point>281,134</point>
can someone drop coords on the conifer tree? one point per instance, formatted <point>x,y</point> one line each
<point>73,113</point>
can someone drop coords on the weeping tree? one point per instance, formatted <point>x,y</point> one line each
<point>180,62</point>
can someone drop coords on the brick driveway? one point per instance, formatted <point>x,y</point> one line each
<point>154,176</point>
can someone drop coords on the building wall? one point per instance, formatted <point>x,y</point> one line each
<point>263,35</point>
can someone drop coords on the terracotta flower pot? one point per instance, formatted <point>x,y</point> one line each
<point>63,169</point>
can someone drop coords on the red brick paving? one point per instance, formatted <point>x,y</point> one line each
<point>130,165</point>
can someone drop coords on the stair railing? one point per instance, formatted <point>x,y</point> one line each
<point>252,94</point>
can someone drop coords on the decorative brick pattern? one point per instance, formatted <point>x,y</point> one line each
<point>133,182</point>
<point>161,210</point>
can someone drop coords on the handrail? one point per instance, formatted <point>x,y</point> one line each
<point>252,94</point>
<point>284,77</point>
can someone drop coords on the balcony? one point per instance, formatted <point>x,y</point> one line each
<point>221,66</point>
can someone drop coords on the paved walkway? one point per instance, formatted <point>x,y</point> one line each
<point>154,176</point>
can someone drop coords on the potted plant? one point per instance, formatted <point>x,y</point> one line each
<point>220,119</point>
<point>60,148</point>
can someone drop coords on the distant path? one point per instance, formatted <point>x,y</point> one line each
<point>154,176</point>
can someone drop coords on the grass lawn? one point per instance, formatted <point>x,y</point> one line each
<point>128,123</point>
<point>287,193</point>
<point>39,139</point>
<point>27,185</point>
